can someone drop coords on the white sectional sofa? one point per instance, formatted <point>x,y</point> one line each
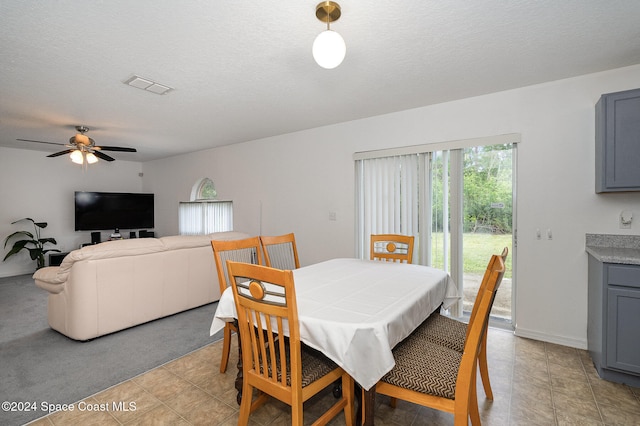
<point>114,285</point>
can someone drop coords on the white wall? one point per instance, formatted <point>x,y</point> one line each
<point>32,185</point>
<point>290,183</point>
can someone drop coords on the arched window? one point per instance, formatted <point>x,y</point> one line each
<point>204,214</point>
<point>204,189</point>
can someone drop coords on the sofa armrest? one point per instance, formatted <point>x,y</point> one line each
<point>49,279</point>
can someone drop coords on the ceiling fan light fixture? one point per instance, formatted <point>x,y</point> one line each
<point>329,48</point>
<point>83,149</point>
<point>91,158</point>
<point>77,157</point>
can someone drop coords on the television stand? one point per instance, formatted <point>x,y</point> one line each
<point>116,235</point>
<point>55,258</point>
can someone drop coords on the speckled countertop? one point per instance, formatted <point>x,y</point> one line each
<point>609,248</point>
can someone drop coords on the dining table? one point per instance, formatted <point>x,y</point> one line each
<point>355,311</point>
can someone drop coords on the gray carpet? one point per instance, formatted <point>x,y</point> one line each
<point>39,365</point>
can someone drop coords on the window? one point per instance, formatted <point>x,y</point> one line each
<point>204,214</point>
<point>205,190</point>
<point>205,217</point>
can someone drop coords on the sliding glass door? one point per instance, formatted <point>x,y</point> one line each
<point>458,203</point>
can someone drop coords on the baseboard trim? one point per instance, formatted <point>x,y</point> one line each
<point>9,274</point>
<point>559,340</point>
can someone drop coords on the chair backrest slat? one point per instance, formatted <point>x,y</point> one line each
<point>280,251</point>
<point>391,247</point>
<point>246,251</point>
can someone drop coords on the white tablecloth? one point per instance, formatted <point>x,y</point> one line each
<point>355,311</point>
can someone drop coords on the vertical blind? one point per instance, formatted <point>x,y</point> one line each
<point>205,217</point>
<point>387,196</point>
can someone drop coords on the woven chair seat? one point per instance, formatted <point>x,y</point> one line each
<point>444,331</point>
<point>314,365</point>
<point>424,366</point>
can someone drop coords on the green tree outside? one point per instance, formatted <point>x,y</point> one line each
<point>488,205</point>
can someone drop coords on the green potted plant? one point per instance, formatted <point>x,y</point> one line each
<point>32,242</point>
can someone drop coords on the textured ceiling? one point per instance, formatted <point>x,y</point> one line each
<point>243,70</point>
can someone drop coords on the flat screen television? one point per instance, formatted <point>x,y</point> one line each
<point>96,211</point>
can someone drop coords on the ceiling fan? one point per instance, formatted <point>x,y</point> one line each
<point>83,148</point>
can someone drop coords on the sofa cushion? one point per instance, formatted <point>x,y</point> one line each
<point>228,236</point>
<point>116,248</point>
<point>107,250</point>
<point>176,242</point>
<point>130,247</point>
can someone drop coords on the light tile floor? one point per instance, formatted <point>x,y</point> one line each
<point>534,383</point>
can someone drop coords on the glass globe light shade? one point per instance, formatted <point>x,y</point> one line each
<point>76,157</point>
<point>91,158</point>
<point>329,49</point>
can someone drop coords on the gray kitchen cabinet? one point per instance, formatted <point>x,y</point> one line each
<point>618,142</point>
<point>613,328</point>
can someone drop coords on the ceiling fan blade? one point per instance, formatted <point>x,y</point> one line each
<point>116,148</point>
<point>103,156</point>
<point>57,154</point>
<point>50,143</point>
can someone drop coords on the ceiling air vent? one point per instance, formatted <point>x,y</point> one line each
<point>148,85</point>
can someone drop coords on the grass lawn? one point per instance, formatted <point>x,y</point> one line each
<point>477,250</point>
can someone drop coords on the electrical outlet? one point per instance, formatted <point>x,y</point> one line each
<point>332,216</point>
<point>626,218</point>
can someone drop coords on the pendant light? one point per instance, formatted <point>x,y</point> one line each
<point>329,48</point>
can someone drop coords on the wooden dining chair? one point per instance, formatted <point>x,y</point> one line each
<point>281,368</point>
<point>452,333</point>
<point>246,250</point>
<point>391,247</point>
<point>280,251</point>
<point>433,375</point>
